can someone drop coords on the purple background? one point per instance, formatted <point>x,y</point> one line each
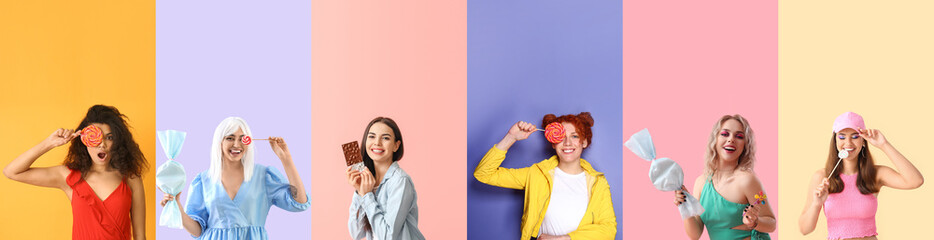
<point>529,58</point>
<point>249,59</point>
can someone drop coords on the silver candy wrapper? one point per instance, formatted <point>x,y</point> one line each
<point>358,166</point>
<point>170,176</point>
<point>664,173</point>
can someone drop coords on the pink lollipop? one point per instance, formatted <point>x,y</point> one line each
<point>92,136</point>
<point>554,132</point>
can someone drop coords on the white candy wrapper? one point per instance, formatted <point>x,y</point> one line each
<point>170,176</point>
<point>664,173</point>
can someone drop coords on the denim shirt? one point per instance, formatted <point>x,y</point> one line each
<point>390,209</point>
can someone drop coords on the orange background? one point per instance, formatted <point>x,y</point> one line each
<point>57,59</point>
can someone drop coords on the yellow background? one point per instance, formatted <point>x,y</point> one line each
<point>870,57</point>
<point>57,59</point>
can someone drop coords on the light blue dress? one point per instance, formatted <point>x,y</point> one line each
<point>244,217</point>
<point>389,212</point>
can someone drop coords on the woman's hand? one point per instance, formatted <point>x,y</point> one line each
<point>521,130</point>
<point>367,182</point>
<point>874,137</point>
<point>280,148</point>
<point>679,196</point>
<point>751,216</point>
<point>168,197</point>
<point>60,137</point>
<point>821,192</point>
<point>353,178</point>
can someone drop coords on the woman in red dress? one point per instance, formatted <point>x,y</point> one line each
<point>101,177</point>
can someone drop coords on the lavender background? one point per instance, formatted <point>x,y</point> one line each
<point>217,59</point>
<point>529,58</point>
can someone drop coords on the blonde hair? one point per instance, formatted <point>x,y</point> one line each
<point>227,127</point>
<point>746,159</point>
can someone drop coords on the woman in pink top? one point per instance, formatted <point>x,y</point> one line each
<point>847,193</point>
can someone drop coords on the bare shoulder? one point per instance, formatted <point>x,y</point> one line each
<point>746,179</point>
<point>700,180</point>
<point>699,184</point>
<point>883,171</point>
<point>135,182</point>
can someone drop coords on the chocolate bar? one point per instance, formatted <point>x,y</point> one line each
<point>352,153</point>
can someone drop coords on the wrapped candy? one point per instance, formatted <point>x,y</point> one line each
<point>664,173</point>
<point>170,176</point>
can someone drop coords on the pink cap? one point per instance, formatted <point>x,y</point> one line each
<point>848,120</point>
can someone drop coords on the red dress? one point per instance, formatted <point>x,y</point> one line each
<point>96,219</point>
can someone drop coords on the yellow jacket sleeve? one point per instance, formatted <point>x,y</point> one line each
<point>489,171</point>
<point>604,225</point>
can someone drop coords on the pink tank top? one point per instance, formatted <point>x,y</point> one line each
<point>850,214</point>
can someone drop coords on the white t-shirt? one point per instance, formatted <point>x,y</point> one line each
<point>568,203</point>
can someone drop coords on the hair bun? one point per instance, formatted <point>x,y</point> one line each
<point>586,118</point>
<point>548,119</point>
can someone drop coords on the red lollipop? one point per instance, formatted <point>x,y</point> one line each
<point>554,132</point>
<point>92,136</point>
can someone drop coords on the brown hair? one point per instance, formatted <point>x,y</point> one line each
<point>582,122</point>
<point>866,168</point>
<point>396,156</point>
<point>126,155</point>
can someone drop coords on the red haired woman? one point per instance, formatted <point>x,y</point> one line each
<point>565,197</point>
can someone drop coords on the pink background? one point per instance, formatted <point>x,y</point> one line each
<point>684,66</point>
<point>400,59</point>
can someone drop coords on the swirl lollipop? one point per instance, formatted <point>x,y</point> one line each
<point>92,136</point>
<point>554,132</point>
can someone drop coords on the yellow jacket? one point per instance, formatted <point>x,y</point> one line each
<point>599,221</point>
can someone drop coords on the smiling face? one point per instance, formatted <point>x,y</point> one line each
<point>731,140</point>
<point>381,143</point>
<point>849,140</point>
<point>232,146</point>
<point>101,153</point>
<point>573,145</point>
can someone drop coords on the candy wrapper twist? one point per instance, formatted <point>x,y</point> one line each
<point>170,176</point>
<point>664,173</point>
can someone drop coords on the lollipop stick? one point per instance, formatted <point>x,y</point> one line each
<point>835,167</point>
<point>262,139</point>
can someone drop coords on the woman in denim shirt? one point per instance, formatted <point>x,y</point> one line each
<point>387,209</point>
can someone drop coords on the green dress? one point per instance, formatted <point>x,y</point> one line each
<point>721,215</point>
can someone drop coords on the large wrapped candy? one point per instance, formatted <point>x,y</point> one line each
<point>664,173</point>
<point>170,176</point>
